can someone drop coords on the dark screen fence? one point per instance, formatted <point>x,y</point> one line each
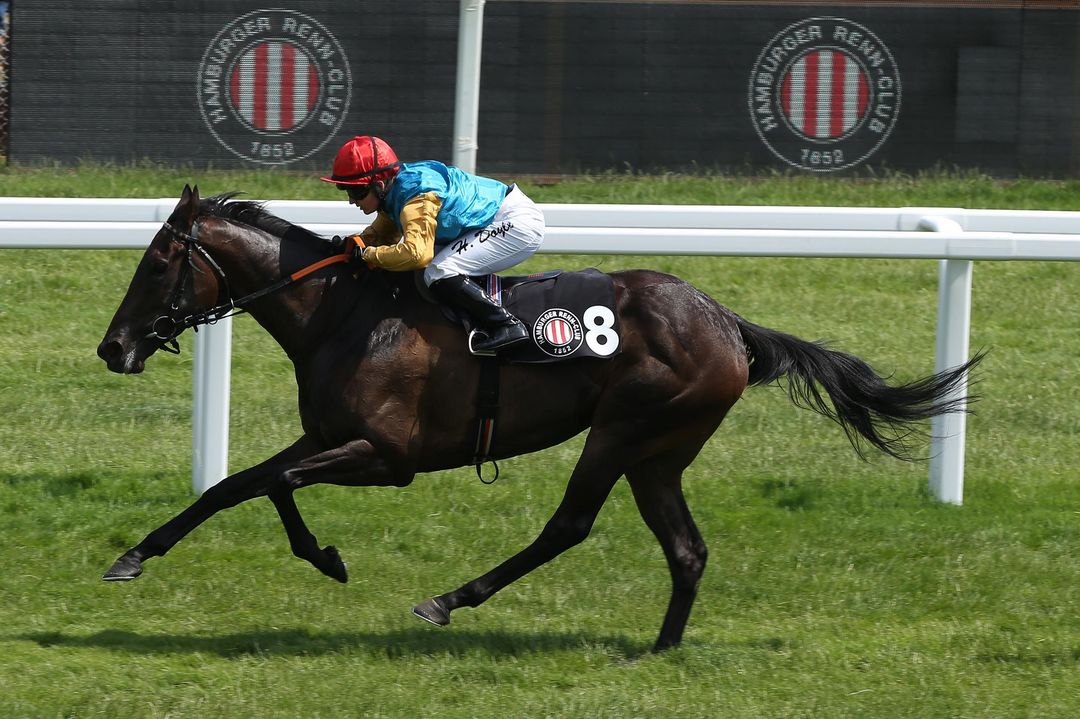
<point>5,57</point>
<point>817,87</point>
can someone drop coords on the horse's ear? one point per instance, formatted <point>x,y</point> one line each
<point>188,207</point>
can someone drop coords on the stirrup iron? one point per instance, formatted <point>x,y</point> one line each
<point>476,352</point>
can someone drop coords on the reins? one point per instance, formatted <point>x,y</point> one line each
<point>166,328</point>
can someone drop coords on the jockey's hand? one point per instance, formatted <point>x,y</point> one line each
<point>353,246</point>
<point>356,251</point>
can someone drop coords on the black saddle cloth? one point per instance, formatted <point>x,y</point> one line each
<point>570,315</point>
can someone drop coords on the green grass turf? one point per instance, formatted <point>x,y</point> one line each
<point>835,587</point>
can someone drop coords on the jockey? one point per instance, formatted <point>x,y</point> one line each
<point>443,220</point>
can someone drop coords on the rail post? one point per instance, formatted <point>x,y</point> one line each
<point>467,100</point>
<point>210,405</point>
<point>951,349</point>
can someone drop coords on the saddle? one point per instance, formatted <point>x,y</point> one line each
<point>570,315</point>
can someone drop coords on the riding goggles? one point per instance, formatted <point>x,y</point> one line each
<point>356,192</point>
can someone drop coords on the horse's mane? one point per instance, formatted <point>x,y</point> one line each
<point>254,214</point>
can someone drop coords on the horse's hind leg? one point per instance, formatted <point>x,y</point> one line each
<point>657,488</point>
<point>589,486</point>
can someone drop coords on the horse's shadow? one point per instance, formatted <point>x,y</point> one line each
<point>399,644</point>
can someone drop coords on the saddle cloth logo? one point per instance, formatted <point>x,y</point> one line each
<point>557,332</point>
<point>570,314</point>
<point>274,86</point>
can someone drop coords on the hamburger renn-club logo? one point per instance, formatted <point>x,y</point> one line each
<point>824,94</point>
<point>274,86</point>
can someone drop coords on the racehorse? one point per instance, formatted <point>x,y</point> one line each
<point>384,378</point>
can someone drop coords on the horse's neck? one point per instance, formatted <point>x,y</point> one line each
<point>295,316</point>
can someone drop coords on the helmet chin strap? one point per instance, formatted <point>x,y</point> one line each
<point>378,185</point>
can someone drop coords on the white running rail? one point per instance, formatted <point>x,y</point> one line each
<point>954,236</point>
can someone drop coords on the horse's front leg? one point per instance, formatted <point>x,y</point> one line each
<point>232,490</point>
<point>355,463</point>
<point>303,543</point>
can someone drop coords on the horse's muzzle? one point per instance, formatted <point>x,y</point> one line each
<point>120,359</point>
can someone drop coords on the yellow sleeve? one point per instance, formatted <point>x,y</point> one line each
<point>419,218</point>
<point>382,231</point>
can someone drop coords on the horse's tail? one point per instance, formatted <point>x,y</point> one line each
<point>862,402</point>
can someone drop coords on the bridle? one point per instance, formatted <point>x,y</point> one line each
<point>167,327</point>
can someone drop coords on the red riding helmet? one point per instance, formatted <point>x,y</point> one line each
<point>364,160</point>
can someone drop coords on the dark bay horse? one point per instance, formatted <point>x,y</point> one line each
<point>386,386</point>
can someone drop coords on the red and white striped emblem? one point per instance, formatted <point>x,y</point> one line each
<point>558,332</point>
<point>825,94</point>
<point>274,85</point>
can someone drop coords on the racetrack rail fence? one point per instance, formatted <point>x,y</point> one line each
<point>956,237</point>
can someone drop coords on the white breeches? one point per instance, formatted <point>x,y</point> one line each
<point>513,236</point>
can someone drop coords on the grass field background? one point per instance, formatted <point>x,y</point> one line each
<point>835,587</point>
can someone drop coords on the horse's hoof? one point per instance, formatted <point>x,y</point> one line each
<point>432,611</point>
<point>338,569</point>
<point>123,569</point>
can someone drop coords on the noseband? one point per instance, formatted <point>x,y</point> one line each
<point>167,328</point>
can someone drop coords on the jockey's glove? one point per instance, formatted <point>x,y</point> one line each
<point>352,245</point>
<point>356,251</point>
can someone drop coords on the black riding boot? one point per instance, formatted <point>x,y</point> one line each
<point>501,327</point>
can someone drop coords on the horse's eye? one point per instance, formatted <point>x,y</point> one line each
<point>159,266</point>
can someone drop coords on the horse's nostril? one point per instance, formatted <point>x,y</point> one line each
<point>109,351</point>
